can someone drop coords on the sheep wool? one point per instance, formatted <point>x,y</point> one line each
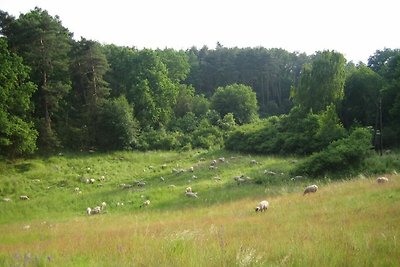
<point>310,189</point>
<point>262,206</point>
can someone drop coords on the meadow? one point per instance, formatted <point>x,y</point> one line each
<point>348,222</point>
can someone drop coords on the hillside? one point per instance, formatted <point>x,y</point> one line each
<point>346,223</point>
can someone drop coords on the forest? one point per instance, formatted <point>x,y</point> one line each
<point>57,93</point>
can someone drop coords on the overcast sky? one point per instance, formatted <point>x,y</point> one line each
<point>356,28</point>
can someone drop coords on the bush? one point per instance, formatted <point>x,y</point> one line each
<point>116,128</point>
<point>342,156</point>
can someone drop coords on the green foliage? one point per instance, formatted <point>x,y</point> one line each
<point>207,136</point>
<point>44,44</point>
<point>238,99</point>
<point>297,133</point>
<point>116,128</point>
<point>343,156</point>
<point>160,139</point>
<point>321,83</point>
<point>361,97</point>
<point>17,134</point>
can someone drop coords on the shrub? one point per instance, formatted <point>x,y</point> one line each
<point>342,156</point>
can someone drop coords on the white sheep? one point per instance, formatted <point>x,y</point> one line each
<point>382,180</point>
<point>92,180</point>
<point>310,189</point>
<point>191,194</point>
<point>95,210</point>
<point>24,197</point>
<point>6,199</point>
<point>222,159</point>
<point>191,169</point>
<point>213,162</point>
<point>188,189</point>
<point>262,206</point>
<point>253,161</point>
<point>267,172</point>
<point>145,203</point>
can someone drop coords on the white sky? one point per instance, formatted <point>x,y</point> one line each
<point>356,28</point>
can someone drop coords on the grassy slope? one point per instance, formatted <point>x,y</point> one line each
<point>352,223</point>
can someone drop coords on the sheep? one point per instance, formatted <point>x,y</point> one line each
<point>163,166</point>
<point>191,169</point>
<point>188,189</point>
<point>191,194</point>
<point>310,189</point>
<point>222,159</point>
<point>92,181</point>
<point>140,183</point>
<point>212,167</point>
<point>194,177</point>
<point>382,180</point>
<point>267,172</point>
<point>253,161</point>
<point>241,179</point>
<point>298,177</point>
<point>6,199</point>
<point>97,209</point>
<point>145,203</point>
<point>213,162</point>
<point>76,189</point>
<point>24,197</point>
<point>262,206</point>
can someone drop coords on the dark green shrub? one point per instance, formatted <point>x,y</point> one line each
<point>341,156</point>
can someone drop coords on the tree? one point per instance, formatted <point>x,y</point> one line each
<point>44,45</point>
<point>116,128</point>
<point>88,68</point>
<point>361,97</point>
<point>238,99</point>
<point>17,133</point>
<point>321,82</point>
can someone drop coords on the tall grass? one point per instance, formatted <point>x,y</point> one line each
<point>347,223</point>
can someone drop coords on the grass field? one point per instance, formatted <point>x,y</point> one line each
<point>346,223</point>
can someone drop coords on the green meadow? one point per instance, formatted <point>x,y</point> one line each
<point>352,221</point>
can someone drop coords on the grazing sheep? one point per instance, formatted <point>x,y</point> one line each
<point>163,166</point>
<point>262,206</point>
<point>267,172</point>
<point>188,189</point>
<point>191,169</point>
<point>145,203</point>
<point>213,162</point>
<point>253,161</point>
<point>92,181</point>
<point>191,194</point>
<point>298,177</point>
<point>24,197</point>
<point>382,180</point>
<point>222,159</point>
<point>140,183</point>
<point>194,177</point>
<point>76,189</point>
<point>95,210</point>
<point>6,199</point>
<point>310,189</point>
<point>241,179</point>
